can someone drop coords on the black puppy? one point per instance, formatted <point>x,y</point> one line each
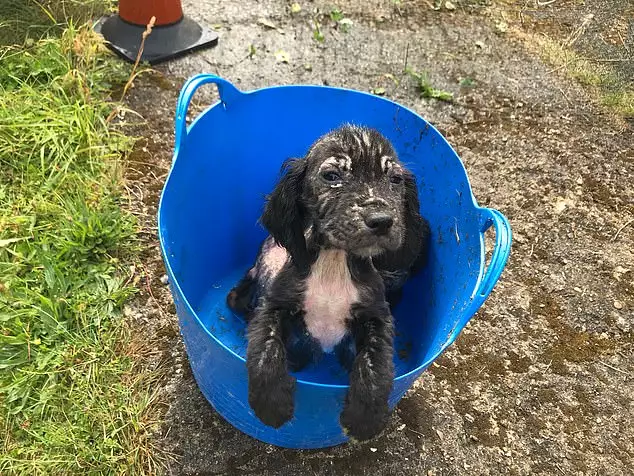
<point>346,234</point>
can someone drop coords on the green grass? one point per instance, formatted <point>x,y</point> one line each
<point>72,400</point>
<point>467,82</point>
<point>338,17</point>
<point>31,19</point>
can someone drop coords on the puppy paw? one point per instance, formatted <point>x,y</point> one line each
<point>363,420</point>
<point>273,400</point>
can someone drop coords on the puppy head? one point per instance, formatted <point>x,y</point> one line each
<point>350,191</point>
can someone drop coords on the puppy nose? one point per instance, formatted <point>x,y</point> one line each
<point>379,222</point>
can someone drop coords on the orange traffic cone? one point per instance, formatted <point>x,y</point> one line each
<point>173,33</point>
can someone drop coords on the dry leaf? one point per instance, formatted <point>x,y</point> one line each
<point>266,23</point>
<point>502,26</point>
<point>282,57</point>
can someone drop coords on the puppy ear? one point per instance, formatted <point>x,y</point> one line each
<point>284,214</point>
<point>416,243</point>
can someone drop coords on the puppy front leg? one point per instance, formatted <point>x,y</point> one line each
<point>366,409</point>
<point>271,388</point>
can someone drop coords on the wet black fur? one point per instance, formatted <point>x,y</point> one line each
<point>277,335</point>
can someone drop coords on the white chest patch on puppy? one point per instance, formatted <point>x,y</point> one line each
<point>330,292</point>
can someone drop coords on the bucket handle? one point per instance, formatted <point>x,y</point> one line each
<point>227,91</point>
<point>499,257</point>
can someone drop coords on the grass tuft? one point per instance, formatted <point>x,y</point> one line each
<point>72,400</point>
<point>614,93</point>
<point>577,68</point>
<point>620,101</point>
<point>30,20</point>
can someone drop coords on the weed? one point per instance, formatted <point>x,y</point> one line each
<point>317,33</point>
<point>343,23</point>
<point>467,82</point>
<point>336,15</point>
<point>71,400</point>
<point>426,90</point>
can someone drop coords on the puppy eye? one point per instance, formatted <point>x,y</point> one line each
<point>396,179</point>
<point>331,176</point>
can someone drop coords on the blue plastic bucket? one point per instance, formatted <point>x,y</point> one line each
<point>227,161</point>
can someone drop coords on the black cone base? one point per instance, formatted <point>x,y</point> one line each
<point>165,42</point>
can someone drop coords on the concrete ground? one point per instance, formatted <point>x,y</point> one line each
<point>541,381</point>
